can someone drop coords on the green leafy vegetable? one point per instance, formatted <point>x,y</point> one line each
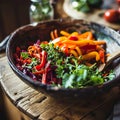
<point>73,74</point>
<point>24,55</point>
<point>54,54</point>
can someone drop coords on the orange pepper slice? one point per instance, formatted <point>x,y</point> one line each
<point>91,55</point>
<point>87,35</point>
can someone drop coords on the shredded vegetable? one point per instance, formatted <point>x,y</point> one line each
<point>69,60</point>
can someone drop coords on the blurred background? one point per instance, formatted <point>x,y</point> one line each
<point>13,14</point>
<point>16,13</point>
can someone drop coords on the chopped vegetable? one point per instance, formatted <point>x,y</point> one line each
<point>68,61</point>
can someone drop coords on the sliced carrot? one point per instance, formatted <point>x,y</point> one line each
<point>52,35</point>
<point>55,33</point>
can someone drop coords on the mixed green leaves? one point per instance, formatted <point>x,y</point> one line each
<point>73,73</point>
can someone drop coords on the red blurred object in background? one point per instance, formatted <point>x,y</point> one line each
<point>118,1</point>
<point>119,12</point>
<point>112,15</point>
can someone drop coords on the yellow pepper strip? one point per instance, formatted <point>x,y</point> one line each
<point>91,55</point>
<point>71,46</point>
<point>74,34</point>
<point>64,33</point>
<point>87,35</point>
<point>59,42</point>
<point>63,38</point>
<point>80,43</point>
<point>74,53</point>
<point>101,42</point>
<point>78,51</point>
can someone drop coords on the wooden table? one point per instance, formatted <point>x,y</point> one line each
<point>37,106</point>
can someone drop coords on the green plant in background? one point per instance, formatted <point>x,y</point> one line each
<point>86,5</point>
<point>40,10</point>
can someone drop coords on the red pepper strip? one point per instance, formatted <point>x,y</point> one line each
<point>44,76</point>
<point>44,81</point>
<point>43,61</point>
<point>73,38</point>
<point>88,48</point>
<point>39,72</point>
<point>102,56</point>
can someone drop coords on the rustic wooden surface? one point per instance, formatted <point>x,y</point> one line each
<point>96,15</point>
<point>38,106</point>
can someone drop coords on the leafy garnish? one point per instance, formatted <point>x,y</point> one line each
<point>54,54</point>
<point>24,55</point>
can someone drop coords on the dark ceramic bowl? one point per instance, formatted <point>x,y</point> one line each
<point>41,31</point>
